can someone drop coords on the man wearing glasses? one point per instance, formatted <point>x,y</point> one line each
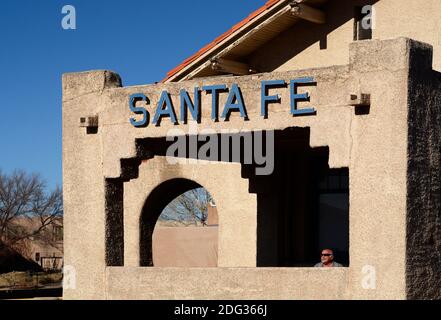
<point>327,260</point>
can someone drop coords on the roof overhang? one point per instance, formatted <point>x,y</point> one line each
<point>224,54</point>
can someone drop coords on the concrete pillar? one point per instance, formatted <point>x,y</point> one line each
<point>84,184</point>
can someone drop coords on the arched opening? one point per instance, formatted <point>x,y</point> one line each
<point>179,226</point>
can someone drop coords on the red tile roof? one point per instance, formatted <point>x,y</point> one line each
<point>219,39</point>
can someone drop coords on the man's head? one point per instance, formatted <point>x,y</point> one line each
<point>327,256</point>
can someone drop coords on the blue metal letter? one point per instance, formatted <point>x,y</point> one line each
<point>267,99</point>
<point>235,96</point>
<point>186,104</point>
<point>167,111</point>
<point>295,97</point>
<point>215,101</point>
<point>139,110</point>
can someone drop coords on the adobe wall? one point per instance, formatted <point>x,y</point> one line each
<point>374,146</point>
<point>185,246</point>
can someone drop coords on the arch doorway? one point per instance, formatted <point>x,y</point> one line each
<point>179,226</point>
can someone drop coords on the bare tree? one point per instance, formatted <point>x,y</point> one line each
<point>26,209</point>
<point>190,208</point>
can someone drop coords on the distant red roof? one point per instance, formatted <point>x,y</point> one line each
<point>219,39</point>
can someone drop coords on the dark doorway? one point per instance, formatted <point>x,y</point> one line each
<point>333,213</point>
<point>303,207</point>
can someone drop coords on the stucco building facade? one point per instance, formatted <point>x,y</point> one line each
<point>374,128</point>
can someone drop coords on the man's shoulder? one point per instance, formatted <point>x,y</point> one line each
<point>318,265</point>
<point>335,265</point>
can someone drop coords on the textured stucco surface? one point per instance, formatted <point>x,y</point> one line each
<point>375,147</point>
<point>225,283</point>
<point>423,256</point>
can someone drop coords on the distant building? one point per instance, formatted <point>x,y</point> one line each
<point>45,248</point>
<point>11,260</point>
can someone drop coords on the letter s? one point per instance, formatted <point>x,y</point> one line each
<point>139,110</point>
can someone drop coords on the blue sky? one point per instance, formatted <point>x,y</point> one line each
<point>139,39</point>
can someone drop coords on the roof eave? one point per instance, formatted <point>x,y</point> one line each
<point>201,58</point>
